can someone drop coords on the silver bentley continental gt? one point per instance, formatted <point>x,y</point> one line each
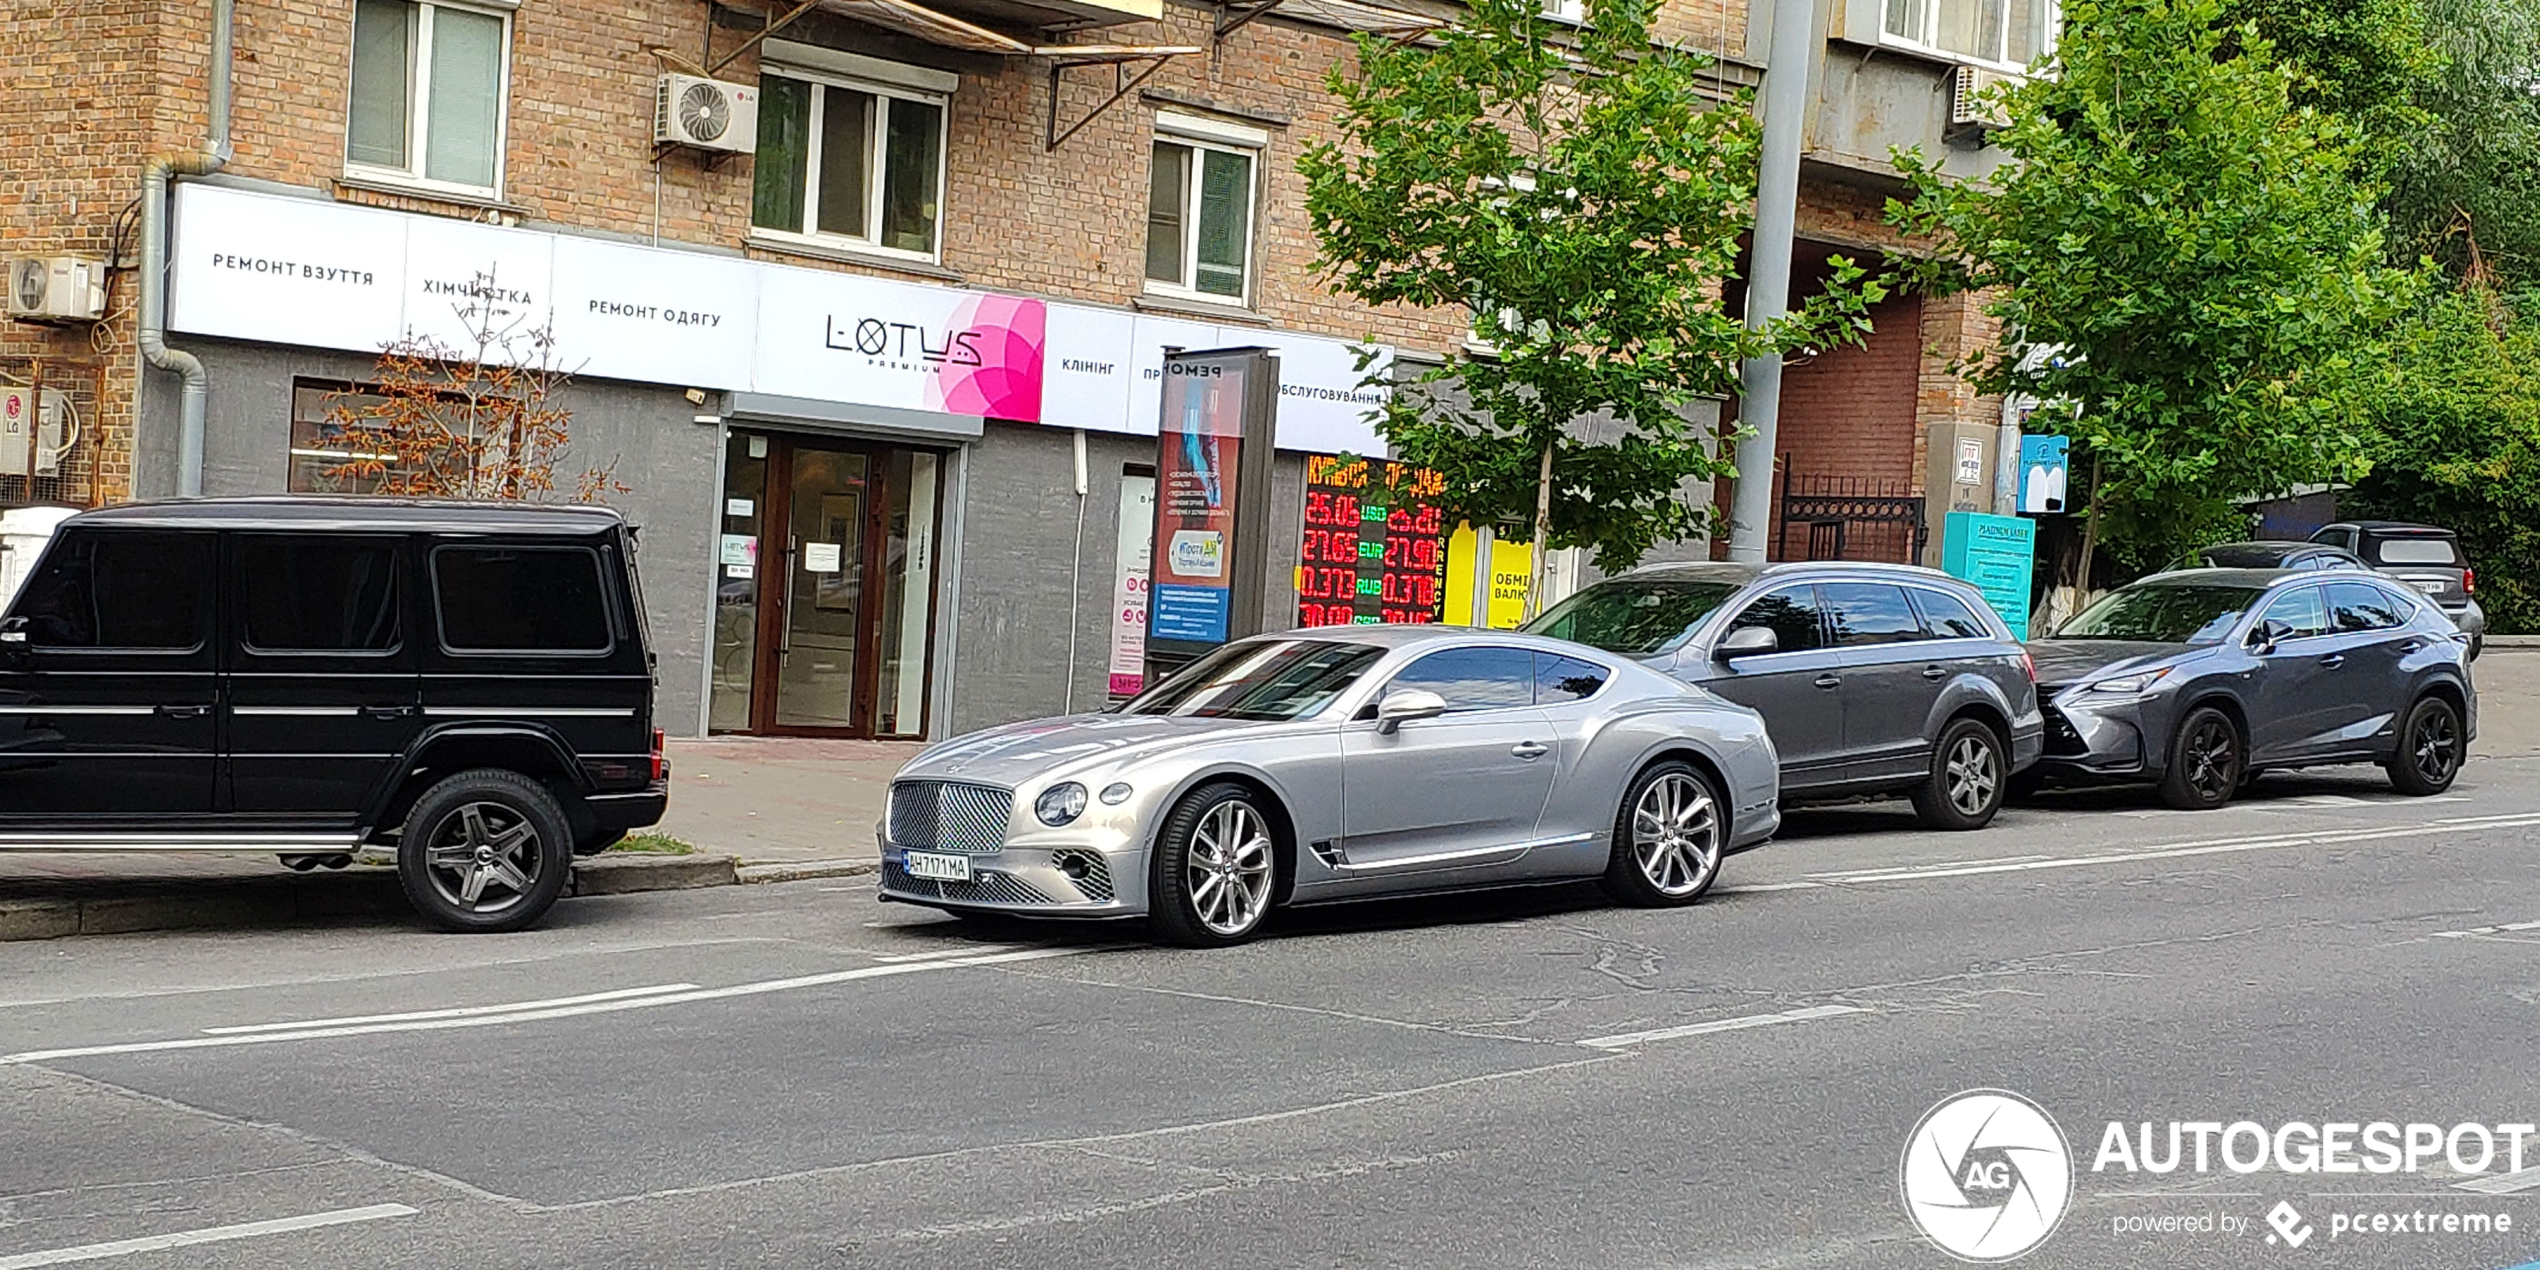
<point>1337,764</point>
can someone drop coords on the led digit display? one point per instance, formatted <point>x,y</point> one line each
<point>1370,559</point>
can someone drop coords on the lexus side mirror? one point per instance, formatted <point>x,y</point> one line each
<point>1748,641</point>
<point>2269,634</point>
<point>1401,707</point>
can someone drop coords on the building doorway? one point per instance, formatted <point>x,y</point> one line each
<point>824,593</point>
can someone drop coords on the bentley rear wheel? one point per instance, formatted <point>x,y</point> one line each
<point>1668,838</point>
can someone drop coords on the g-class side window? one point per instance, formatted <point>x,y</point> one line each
<point>500,599</point>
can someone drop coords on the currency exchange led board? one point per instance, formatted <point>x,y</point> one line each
<point>1370,557</point>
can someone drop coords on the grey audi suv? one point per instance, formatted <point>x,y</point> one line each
<point>1871,678</point>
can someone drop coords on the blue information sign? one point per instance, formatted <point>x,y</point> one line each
<point>1998,556</point>
<point>1196,613</point>
<point>2044,472</point>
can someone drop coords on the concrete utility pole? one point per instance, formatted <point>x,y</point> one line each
<point>1768,271</point>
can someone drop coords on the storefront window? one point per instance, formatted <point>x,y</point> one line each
<point>736,582</point>
<point>322,460</point>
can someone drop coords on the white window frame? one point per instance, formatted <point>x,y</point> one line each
<point>1927,40</point>
<point>419,107</point>
<point>1572,12</point>
<point>1202,134</point>
<point>871,242</point>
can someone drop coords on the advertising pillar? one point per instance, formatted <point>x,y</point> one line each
<point>1216,445</point>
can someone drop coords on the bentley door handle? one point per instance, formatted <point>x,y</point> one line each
<point>1530,750</point>
<point>1829,681</point>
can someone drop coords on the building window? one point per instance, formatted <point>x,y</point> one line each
<point>1199,208</point>
<point>2004,33</point>
<point>323,459</point>
<point>849,164</point>
<point>429,82</point>
<point>1571,11</point>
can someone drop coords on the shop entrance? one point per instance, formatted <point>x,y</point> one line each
<point>825,587</point>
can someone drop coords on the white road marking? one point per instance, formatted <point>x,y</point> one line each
<point>2485,930</point>
<point>554,1012</point>
<point>2222,846</point>
<point>1626,1040</point>
<point>956,950</point>
<point>458,1013</point>
<point>2503,1184</point>
<point>207,1235</point>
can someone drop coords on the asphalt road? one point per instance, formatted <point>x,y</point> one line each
<point>798,1076</point>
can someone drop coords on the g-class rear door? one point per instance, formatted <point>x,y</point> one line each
<point>323,690</point>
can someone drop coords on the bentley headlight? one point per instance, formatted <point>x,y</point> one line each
<point>1060,803</point>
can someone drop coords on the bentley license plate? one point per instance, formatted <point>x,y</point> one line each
<point>941,868</point>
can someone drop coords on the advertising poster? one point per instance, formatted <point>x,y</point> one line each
<point>1370,557</point>
<point>1129,587</point>
<point>1196,465</point>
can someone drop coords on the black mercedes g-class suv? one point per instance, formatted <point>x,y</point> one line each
<point>466,682</point>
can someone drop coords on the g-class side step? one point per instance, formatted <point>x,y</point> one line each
<point>281,843</point>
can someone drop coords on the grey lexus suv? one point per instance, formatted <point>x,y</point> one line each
<point>1871,678</point>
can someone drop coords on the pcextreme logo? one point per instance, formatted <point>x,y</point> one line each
<point>1987,1175</point>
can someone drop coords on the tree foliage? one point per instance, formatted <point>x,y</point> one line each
<point>2456,442</point>
<point>2466,187</point>
<point>1583,195</point>
<point>478,421</point>
<point>2196,247</point>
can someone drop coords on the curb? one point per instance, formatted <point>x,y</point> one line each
<point>2511,641</point>
<point>290,897</point>
<point>805,870</point>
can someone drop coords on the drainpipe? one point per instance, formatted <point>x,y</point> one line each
<point>154,260</point>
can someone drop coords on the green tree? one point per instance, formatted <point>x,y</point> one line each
<point>2456,442</point>
<point>1578,191</point>
<point>2466,187</point>
<point>2199,250</point>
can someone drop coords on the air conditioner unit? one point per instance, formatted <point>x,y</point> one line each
<point>57,289</point>
<point>1969,106</point>
<point>31,438</point>
<point>708,114</point>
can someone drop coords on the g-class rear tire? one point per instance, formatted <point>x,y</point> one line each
<point>485,851</point>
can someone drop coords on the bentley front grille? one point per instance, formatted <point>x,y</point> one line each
<point>949,816</point>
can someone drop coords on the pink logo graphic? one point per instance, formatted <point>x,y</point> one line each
<point>1005,382</point>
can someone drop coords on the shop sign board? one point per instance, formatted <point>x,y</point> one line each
<point>1136,551</point>
<point>289,270</point>
<point>1213,457</point>
<point>1373,547</point>
<point>1998,556</point>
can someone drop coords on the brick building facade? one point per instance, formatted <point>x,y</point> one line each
<point>549,147</point>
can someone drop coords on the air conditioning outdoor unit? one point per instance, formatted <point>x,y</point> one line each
<point>1969,107</point>
<point>57,289</point>
<point>31,440</point>
<point>708,114</point>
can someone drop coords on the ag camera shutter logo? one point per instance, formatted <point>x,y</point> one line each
<point>1987,1175</point>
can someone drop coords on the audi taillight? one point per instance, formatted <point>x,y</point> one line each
<point>661,756</point>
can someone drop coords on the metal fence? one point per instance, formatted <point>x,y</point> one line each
<point>1850,518</point>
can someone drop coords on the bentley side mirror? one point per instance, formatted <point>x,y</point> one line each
<point>1401,707</point>
<point>2269,634</point>
<point>1748,641</point>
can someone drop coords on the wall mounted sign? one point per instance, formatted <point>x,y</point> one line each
<point>2045,471</point>
<point>1136,548</point>
<point>1370,559</point>
<point>289,270</point>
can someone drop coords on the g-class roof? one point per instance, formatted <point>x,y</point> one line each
<point>309,513</point>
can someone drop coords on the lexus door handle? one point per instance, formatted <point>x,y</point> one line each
<point>183,712</point>
<point>1935,672</point>
<point>1829,681</point>
<point>2333,660</point>
<point>1530,750</point>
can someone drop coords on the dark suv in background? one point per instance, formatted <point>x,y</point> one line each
<point>468,683</point>
<point>1871,678</point>
<point>2422,556</point>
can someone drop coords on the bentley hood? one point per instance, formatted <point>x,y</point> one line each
<point>1020,752</point>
